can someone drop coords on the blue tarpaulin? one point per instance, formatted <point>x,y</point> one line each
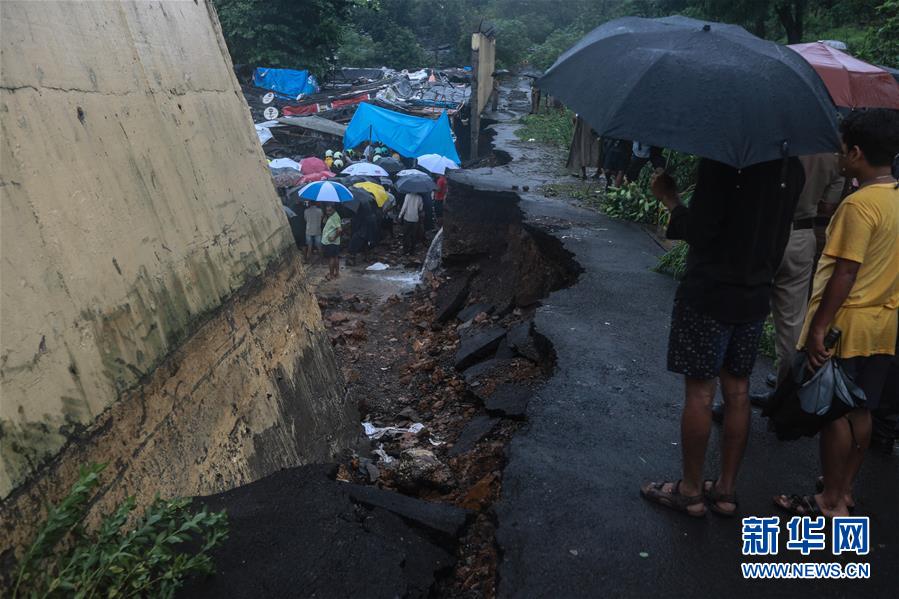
<point>410,136</point>
<point>285,82</point>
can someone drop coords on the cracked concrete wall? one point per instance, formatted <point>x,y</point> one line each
<point>137,209</point>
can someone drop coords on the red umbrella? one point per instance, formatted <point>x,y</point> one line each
<point>852,83</point>
<point>312,165</point>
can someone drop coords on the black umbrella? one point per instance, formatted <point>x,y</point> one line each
<point>391,165</point>
<point>709,89</point>
<point>415,185</point>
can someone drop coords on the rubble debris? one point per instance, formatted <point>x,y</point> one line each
<point>421,468</point>
<point>375,432</point>
<point>439,517</point>
<point>475,372</point>
<point>473,310</point>
<point>508,399</point>
<point>451,297</point>
<point>477,346</point>
<point>477,428</point>
<point>526,342</point>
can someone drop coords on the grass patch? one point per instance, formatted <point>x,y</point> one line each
<point>674,262</point>
<point>553,127</point>
<point>767,342</point>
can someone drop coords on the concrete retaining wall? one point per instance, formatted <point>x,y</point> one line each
<point>154,314</point>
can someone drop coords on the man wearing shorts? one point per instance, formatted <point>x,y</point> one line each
<point>856,290</point>
<point>313,216</point>
<point>737,227</point>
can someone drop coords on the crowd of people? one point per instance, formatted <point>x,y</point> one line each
<point>328,229</point>
<point>752,246</point>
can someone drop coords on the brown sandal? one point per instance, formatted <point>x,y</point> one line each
<point>714,498</point>
<point>673,499</point>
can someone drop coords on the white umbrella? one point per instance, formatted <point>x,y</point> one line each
<point>365,169</point>
<point>436,163</point>
<point>412,172</point>
<point>325,191</point>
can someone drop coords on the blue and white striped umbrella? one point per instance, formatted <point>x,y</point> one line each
<point>325,191</point>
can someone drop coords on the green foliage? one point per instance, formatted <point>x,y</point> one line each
<point>153,557</point>
<point>881,42</point>
<point>545,54</point>
<point>631,202</point>
<point>674,261</point>
<point>768,340</point>
<point>512,43</point>
<point>298,34</point>
<point>554,127</point>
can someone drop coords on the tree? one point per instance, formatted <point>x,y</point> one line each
<point>300,34</point>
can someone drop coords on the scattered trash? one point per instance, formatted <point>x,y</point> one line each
<point>643,554</point>
<point>377,266</point>
<point>375,432</point>
<point>385,457</point>
<point>573,552</point>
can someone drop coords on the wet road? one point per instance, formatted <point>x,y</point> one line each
<point>571,522</point>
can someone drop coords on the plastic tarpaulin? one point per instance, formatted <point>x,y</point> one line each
<point>285,82</point>
<point>410,136</point>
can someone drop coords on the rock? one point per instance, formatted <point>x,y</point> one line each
<point>440,517</point>
<point>476,429</point>
<point>473,310</point>
<point>420,468</point>
<point>478,346</point>
<point>508,399</point>
<point>475,372</point>
<point>524,342</point>
<point>479,495</point>
<point>504,351</point>
<point>451,297</point>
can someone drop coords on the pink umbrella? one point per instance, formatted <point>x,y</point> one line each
<point>319,176</point>
<point>312,165</point>
<point>852,83</point>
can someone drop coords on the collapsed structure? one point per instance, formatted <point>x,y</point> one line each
<point>155,315</point>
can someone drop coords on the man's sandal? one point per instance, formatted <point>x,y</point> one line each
<point>798,505</point>
<point>673,499</point>
<point>714,498</point>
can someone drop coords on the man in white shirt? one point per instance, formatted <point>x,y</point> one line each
<point>409,216</point>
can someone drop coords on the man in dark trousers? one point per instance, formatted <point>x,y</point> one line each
<point>737,227</point>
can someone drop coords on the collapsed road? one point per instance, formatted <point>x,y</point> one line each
<point>570,519</point>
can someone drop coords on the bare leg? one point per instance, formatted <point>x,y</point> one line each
<point>836,447</point>
<point>861,426</point>
<point>736,432</point>
<point>696,424</point>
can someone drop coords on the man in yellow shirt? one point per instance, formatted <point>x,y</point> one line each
<point>856,290</point>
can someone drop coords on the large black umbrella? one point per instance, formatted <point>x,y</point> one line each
<point>391,165</point>
<point>709,89</point>
<point>415,185</point>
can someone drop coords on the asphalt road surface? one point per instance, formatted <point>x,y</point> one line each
<point>571,521</point>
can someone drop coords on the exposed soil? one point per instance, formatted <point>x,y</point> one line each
<point>400,360</point>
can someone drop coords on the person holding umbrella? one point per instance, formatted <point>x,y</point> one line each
<point>410,216</point>
<point>331,241</point>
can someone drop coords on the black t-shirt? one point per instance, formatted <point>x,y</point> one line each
<point>737,225</point>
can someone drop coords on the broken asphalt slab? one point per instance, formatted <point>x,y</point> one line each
<point>440,517</point>
<point>478,345</point>
<point>298,532</point>
<point>508,399</point>
<point>477,428</point>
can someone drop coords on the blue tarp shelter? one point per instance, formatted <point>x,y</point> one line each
<point>286,83</point>
<point>410,136</point>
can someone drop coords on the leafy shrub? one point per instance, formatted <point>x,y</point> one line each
<point>631,202</point>
<point>551,127</point>
<point>767,342</point>
<point>153,557</point>
<point>674,262</point>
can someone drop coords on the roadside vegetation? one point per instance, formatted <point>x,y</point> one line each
<point>552,127</point>
<point>125,555</point>
<point>412,33</point>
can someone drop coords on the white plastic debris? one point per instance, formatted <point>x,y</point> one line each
<point>377,266</point>
<point>264,134</point>
<point>385,458</point>
<point>376,432</point>
<point>284,163</point>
